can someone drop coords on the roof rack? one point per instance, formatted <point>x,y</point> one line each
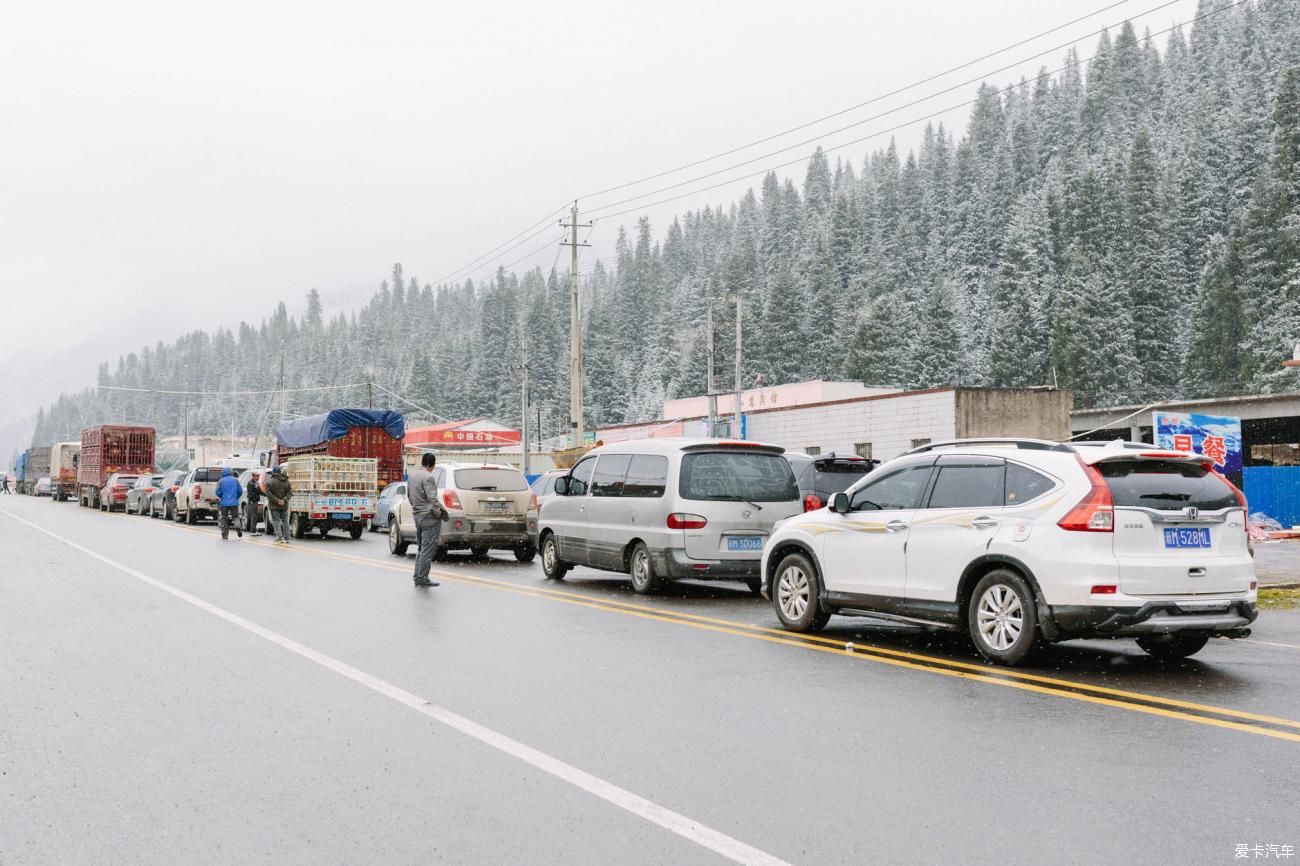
<point>1011,442</point>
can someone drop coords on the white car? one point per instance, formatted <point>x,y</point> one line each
<point>1013,541</point>
<point>489,507</point>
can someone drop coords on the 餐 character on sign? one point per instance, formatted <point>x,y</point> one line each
<point>1216,449</point>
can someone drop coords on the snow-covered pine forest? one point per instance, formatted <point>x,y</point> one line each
<point>1129,229</point>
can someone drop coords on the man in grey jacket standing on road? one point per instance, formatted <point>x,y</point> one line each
<point>422,493</point>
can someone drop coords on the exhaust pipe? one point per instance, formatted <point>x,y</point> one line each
<point>1234,633</point>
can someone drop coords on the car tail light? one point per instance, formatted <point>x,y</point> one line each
<point>811,502</point>
<point>680,520</point>
<point>1241,500</point>
<point>1104,589</point>
<point>458,525</point>
<point>451,499</point>
<point>175,487</point>
<point>197,492</point>
<point>532,502</point>
<point>1095,511</point>
<point>318,516</point>
<point>1254,585</point>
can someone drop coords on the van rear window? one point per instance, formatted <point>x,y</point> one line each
<point>737,476</point>
<point>208,475</point>
<point>1165,486</point>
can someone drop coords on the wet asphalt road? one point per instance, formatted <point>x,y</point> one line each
<point>260,718</point>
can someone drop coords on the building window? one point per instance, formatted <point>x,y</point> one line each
<point>862,449</point>
<point>917,443</point>
<point>812,450</point>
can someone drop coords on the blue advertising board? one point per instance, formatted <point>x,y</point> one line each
<point>1215,436</point>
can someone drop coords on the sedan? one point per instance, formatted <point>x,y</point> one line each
<point>386,506</point>
<point>163,501</point>
<point>114,492</point>
<point>140,496</point>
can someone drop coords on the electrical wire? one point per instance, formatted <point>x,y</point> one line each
<point>483,274</point>
<point>875,99</point>
<point>878,116</point>
<point>474,262</point>
<point>874,134</point>
<point>169,392</point>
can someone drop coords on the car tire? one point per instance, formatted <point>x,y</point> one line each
<point>1002,617</point>
<point>299,526</point>
<point>355,530</point>
<point>796,594</point>
<point>526,552</point>
<point>396,546</point>
<point>641,568</point>
<point>1171,647</point>
<point>552,566</point>
<point>190,517</point>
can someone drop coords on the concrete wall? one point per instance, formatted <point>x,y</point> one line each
<point>889,423</point>
<point>1029,412</point>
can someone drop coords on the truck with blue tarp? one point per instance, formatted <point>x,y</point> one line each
<point>376,433</point>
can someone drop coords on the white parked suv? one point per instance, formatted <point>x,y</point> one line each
<point>1015,541</point>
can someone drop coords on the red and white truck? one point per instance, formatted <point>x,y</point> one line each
<point>376,433</point>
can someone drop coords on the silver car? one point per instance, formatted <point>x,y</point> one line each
<point>665,509</point>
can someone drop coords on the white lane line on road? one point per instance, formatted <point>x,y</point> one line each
<point>714,840</point>
<point>1273,643</point>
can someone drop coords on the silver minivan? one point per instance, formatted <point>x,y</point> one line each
<point>665,509</point>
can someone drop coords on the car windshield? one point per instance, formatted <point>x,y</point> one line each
<point>739,476</point>
<point>500,480</point>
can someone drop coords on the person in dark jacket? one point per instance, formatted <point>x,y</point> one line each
<point>228,503</point>
<point>278,491</point>
<point>254,498</point>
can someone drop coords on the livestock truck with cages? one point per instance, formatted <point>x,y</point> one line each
<point>63,470</point>
<point>111,449</point>
<point>33,465</point>
<point>331,493</point>
<point>376,433</point>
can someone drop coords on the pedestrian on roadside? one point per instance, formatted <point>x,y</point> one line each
<point>278,491</point>
<point>254,492</point>
<point>422,493</point>
<point>228,503</point>
<point>5,486</point>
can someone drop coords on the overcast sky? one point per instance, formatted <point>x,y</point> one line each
<point>166,166</point>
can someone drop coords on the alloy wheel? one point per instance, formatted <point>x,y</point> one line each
<point>1000,616</point>
<point>793,591</point>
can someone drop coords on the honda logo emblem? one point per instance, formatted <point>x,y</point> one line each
<point>1192,512</point>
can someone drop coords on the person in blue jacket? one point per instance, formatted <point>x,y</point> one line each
<point>228,501</point>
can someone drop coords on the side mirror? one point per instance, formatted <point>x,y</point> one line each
<point>839,503</point>
<point>562,486</point>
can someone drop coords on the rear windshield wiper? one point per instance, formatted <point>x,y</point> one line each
<point>730,497</point>
<point>1182,497</point>
<point>482,488</point>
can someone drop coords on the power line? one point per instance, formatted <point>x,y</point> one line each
<point>866,137</point>
<point>857,123</point>
<point>185,393</point>
<point>543,222</point>
<point>875,99</point>
<point>483,274</point>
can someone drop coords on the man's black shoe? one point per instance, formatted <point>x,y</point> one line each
<point>426,583</point>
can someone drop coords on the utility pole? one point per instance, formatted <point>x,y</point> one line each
<point>735,417</point>
<point>281,387</point>
<point>185,428</point>
<point>575,329</point>
<point>523,434</point>
<point>713,395</point>
<point>370,395</point>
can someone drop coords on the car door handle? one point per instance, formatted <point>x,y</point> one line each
<point>895,526</point>
<point>984,522</point>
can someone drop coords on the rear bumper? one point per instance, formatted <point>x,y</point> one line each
<point>1154,617</point>
<point>498,535</point>
<point>674,563</point>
